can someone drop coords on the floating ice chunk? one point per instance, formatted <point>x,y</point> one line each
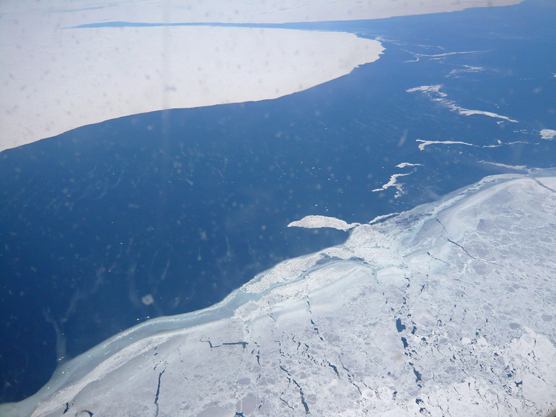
<point>434,90</point>
<point>511,167</point>
<point>407,164</point>
<point>393,183</point>
<point>428,89</point>
<point>316,222</point>
<point>439,57</point>
<point>440,142</point>
<point>417,314</point>
<point>466,68</point>
<point>425,143</point>
<point>466,112</point>
<point>548,134</point>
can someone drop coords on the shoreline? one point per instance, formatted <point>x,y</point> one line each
<point>79,77</point>
<point>56,77</point>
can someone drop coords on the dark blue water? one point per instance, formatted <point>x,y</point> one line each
<point>183,206</point>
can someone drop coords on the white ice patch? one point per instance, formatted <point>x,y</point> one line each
<point>407,164</point>
<point>434,90</point>
<point>548,134</point>
<point>428,89</point>
<point>316,222</point>
<point>465,112</point>
<point>447,309</point>
<point>508,143</point>
<point>438,57</point>
<point>393,183</point>
<point>440,142</point>
<point>512,167</point>
<point>425,143</point>
<point>465,69</point>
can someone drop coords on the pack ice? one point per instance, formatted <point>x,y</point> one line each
<point>445,310</point>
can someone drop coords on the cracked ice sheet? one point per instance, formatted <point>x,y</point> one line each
<point>421,313</point>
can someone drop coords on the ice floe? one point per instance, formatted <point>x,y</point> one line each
<point>316,222</point>
<point>509,167</point>
<point>437,57</point>
<point>425,143</point>
<point>548,134</point>
<point>465,69</point>
<point>407,164</point>
<point>434,90</point>
<point>499,143</point>
<point>393,182</point>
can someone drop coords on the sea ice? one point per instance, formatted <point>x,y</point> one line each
<point>449,306</point>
